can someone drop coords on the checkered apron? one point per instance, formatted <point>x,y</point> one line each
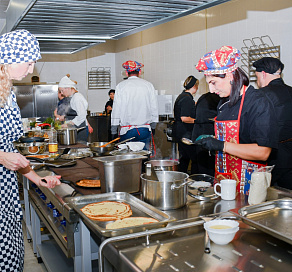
<point>11,239</point>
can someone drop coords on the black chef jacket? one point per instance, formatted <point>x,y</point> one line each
<point>280,96</point>
<point>184,106</point>
<point>258,123</point>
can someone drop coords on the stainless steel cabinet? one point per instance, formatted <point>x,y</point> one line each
<point>37,100</point>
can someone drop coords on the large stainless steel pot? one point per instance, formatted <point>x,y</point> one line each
<point>163,165</point>
<point>169,192</point>
<point>68,136</point>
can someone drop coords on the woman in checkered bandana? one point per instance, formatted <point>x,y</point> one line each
<point>19,51</point>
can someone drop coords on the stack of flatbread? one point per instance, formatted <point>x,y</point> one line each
<point>107,210</point>
<point>130,222</point>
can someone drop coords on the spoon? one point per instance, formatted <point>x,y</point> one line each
<point>114,140</point>
<point>187,141</point>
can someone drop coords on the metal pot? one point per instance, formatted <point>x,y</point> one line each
<point>169,192</point>
<point>100,151</point>
<point>163,165</point>
<point>68,136</point>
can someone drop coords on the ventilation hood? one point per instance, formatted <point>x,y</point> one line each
<point>68,26</point>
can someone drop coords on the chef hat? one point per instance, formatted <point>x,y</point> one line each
<point>66,82</point>
<point>131,66</point>
<point>19,46</point>
<point>219,61</point>
<point>269,65</point>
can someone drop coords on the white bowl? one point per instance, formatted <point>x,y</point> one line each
<point>219,235</point>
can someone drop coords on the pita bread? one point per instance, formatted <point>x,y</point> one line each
<point>107,210</point>
<point>88,183</point>
<point>130,222</point>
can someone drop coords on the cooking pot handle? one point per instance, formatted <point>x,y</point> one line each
<point>80,128</point>
<point>174,187</point>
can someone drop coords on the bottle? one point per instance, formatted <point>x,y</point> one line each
<point>53,143</point>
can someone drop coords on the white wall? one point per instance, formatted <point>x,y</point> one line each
<point>171,51</point>
<point>168,62</point>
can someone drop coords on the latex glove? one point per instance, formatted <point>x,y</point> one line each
<point>211,144</point>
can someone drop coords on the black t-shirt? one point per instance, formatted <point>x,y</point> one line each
<point>280,95</point>
<point>206,109</point>
<point>184,106</point>
<point>109,103</point>
<point>258,123</point>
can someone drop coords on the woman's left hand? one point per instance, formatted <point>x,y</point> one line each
<point>50,181</point>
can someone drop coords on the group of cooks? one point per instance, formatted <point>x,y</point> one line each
<point>235,128</point>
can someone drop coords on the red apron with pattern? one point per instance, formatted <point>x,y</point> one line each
<point>228,166</point>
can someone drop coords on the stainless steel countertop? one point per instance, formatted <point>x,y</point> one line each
<point>183,249</point>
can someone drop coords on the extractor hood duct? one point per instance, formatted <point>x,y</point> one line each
<point>68,26</point>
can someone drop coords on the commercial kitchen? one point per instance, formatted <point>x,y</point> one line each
<point>90,40</point>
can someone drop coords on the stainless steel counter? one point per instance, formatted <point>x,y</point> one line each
<point>180,246</point>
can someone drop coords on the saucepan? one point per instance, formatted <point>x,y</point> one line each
<point>68,136</point>
<point>104,148</point>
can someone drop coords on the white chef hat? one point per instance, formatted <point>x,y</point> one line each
<point>66,82</point>
<point>19,46</point>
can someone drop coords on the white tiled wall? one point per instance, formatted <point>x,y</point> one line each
<point>172,58</point>
<point>169,62</point>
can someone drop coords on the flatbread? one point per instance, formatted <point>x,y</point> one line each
<point>39,156</point>
<point>88,183</point>
<point>130,222</point>
<point>107,210</point>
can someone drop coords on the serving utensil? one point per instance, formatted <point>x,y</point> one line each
<point>114,140</point>
<point>187,141</point>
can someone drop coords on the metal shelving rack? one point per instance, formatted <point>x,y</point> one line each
<point>99,78</point>
<point>257,48</point>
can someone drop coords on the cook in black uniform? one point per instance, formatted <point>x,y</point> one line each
<point>184,115</point>
<point>206,111</point>
<point>246,129</point>
<point>109,104</point>
<point>268,73</point>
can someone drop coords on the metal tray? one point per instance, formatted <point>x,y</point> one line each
<point>139,208</point>
<point>272,217</point>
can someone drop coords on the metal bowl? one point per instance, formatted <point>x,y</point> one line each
<point>31,148</point>
<point>96,148</point>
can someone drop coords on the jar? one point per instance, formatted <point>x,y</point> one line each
<point>53,143</point>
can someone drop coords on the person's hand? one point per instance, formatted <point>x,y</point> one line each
<point>90,129</point>
<point>109,108</point>
<point>13,161</point>
<point>211,144</point>
<point>64,126</point>
<point>50,181</point>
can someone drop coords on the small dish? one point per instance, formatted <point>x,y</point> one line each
<point>220,231</point>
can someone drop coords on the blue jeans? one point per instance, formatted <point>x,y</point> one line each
<point>144,137</point>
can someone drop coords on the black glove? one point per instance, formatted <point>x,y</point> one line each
<point>211,144</point>
<point>153,132</point>
<point>114,136</point>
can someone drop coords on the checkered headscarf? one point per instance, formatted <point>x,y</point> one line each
<point>18,47</point>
